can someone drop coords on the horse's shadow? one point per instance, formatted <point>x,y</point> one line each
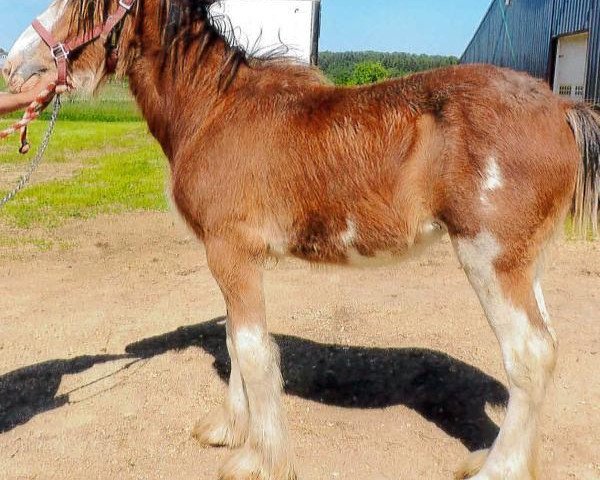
<point>443,390</point>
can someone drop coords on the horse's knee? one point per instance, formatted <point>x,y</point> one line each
<point>258,357</point>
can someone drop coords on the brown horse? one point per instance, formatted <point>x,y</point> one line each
<point>270,160</point>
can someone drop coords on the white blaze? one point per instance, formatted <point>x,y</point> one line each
<point>30,38</point>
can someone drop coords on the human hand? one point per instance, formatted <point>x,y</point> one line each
<point>39,86</point>
<point>11,102</point>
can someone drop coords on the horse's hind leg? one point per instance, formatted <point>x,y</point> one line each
<point>510,295</point>
<point>228,426</point>
<point>265,453</point>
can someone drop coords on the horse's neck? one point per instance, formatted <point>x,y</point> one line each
<point>177,104</point>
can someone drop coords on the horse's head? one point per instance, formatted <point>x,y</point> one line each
<point>65,20</point>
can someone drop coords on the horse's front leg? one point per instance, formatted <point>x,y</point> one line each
<point>265,454</point>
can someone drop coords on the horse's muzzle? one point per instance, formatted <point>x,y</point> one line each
<point>21,78</point>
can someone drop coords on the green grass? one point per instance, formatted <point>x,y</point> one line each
<point>96,110</point>
<point>77,141</point>
<point>121,169</point>
<point>118,166</point>
<point>14,242</point>
<point>112,104</point>
<point>572,234</point>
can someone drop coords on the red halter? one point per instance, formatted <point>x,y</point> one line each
<point>61,51</point>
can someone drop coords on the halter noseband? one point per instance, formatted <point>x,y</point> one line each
<point>61,50</point>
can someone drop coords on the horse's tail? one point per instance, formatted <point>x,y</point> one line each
<point>585,124</point>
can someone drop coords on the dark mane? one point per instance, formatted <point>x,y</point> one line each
<point>180,21</point>
<point>185,23</point>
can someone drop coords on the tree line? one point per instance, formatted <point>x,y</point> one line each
<point>357,68</point>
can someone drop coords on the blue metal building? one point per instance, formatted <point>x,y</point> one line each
<point>557,40</point>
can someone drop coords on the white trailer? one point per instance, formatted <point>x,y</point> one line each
<point>288,26</point>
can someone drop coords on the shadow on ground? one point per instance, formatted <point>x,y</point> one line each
<point>31,390</point>
<point>446,391</point>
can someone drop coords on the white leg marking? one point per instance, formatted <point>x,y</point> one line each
<point>250,344</point>
<point>228,426</point>
<point>237,397</point>
<point>527,354</point>
<point>259,368</point>
<point>541,302</point>
<point>266,453</point>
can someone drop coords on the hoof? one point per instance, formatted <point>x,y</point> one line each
<point>246,464</point>
<point>217,430</point>
<point>472,465</point>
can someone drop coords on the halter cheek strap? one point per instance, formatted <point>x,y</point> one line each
<point>61,51</point>
<point>58,50</point>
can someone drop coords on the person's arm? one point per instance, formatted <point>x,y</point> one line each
<point>9,102</point>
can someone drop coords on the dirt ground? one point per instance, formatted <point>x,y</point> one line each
<point>111,347</point>
<point>11,173</point>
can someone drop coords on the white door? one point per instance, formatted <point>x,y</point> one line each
<point>281,26</point>
<point>571,66</point>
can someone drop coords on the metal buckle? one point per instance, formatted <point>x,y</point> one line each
<point>125,5</point>
<point>59,52</point>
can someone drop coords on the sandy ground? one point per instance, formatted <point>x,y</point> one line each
<point>111,349</point>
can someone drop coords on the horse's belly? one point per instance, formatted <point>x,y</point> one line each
<point>429,232</point>
<point>351,248</point>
